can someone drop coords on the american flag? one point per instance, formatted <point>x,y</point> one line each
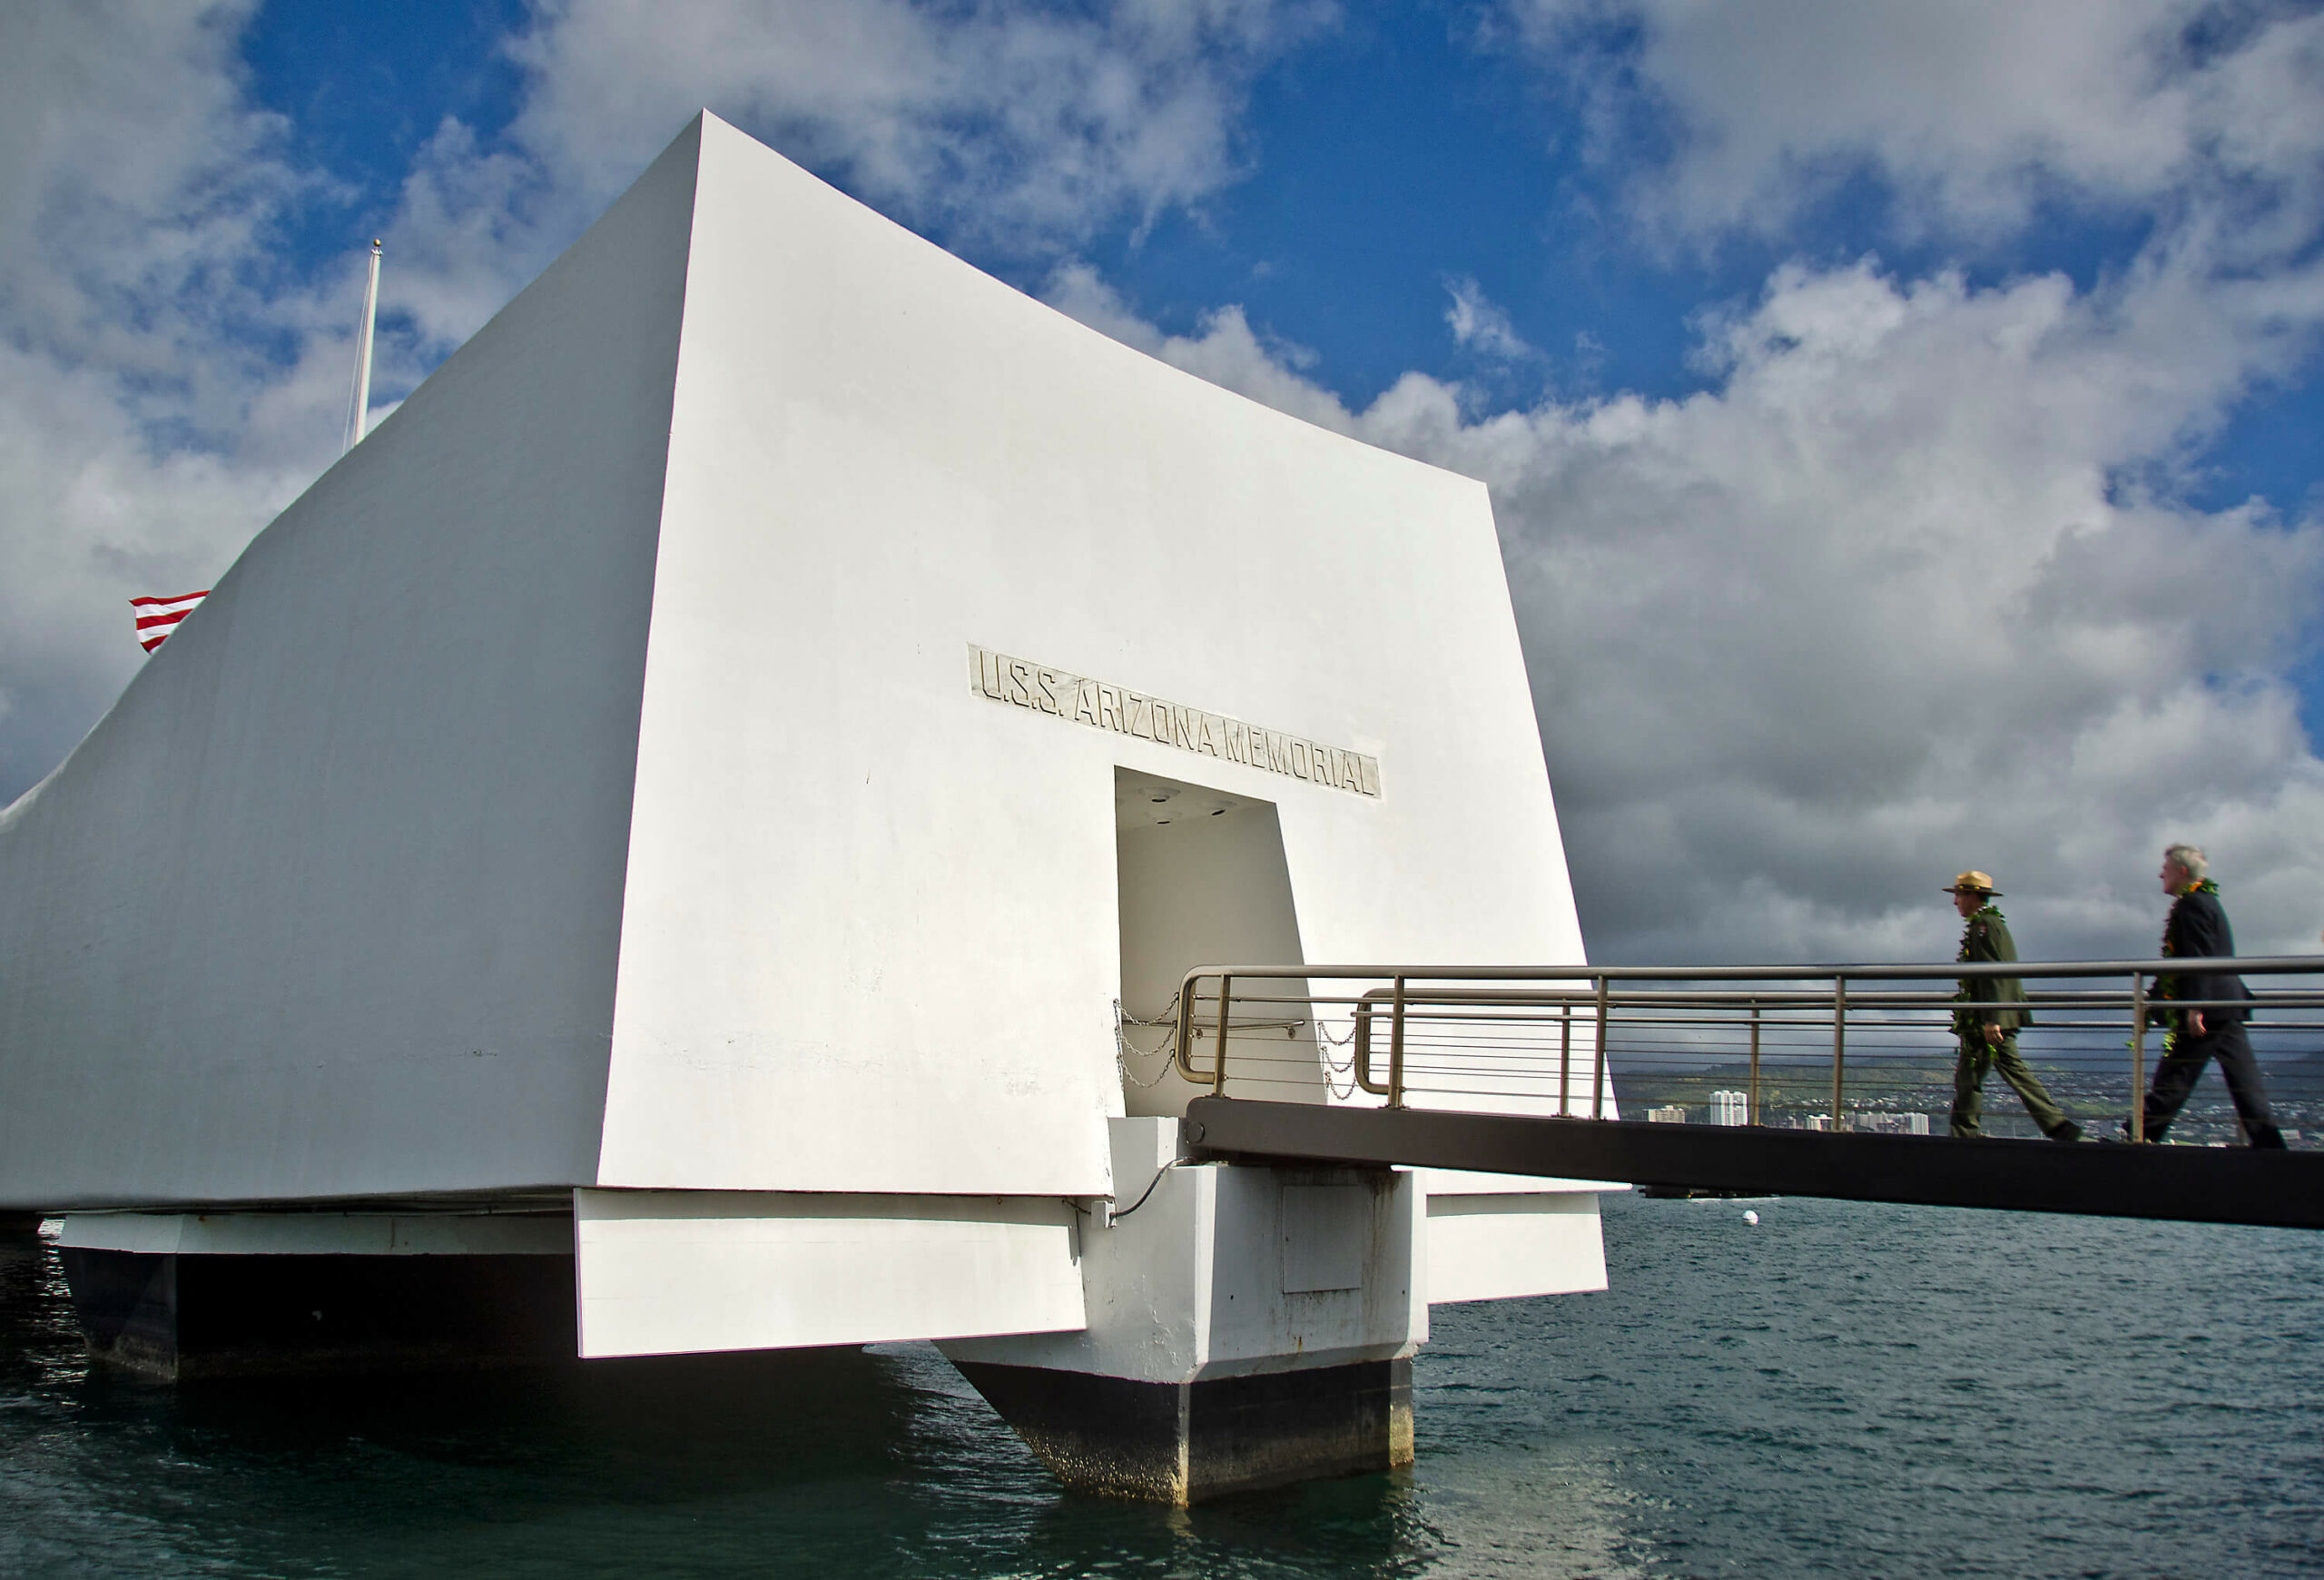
<point>157,617</point>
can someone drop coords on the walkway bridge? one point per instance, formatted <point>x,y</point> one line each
<point>1798,1080</point>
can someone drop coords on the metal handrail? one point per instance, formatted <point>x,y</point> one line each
<point>1453,995</point>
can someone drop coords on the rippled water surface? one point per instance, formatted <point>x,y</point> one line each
<point>1841,1390</point>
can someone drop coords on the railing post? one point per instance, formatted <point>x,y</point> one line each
<point>1219,1070</point>
<point>2138,1056</point>
<point>1598,1073</point>
<point>1752,1111</point>
<point>1187,1029</point>
<point>1839,1051</point>
<point>1396,1049</point>
<point>1565,1053</point>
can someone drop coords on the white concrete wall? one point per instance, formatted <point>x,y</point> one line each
<point>870,940</point>
<point>328,904</point>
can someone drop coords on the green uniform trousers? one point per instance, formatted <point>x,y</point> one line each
<point>1977,1057</point>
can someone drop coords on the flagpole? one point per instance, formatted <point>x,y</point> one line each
<point>360,405</point>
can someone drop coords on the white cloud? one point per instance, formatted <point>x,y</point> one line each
<point>1480,326</point>
<point>1975,111</point>
<point>1870,612</point>
<point>1008,119</point>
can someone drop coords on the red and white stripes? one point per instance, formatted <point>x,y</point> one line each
<point>157,617</point>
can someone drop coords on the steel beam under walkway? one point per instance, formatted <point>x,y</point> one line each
<point>2193,1184</point>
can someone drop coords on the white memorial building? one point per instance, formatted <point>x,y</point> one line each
<point>643,857</point>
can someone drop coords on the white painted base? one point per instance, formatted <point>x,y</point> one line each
<point>671,1272</point>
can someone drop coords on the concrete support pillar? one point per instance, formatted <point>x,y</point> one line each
<point>176,1297</point>
<point>1247,1328</point>
<point>1183,1442</point>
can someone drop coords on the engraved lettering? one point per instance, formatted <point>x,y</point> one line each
<point>1082,700</point>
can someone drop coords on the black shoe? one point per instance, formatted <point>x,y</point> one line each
<point>2068,1131</point>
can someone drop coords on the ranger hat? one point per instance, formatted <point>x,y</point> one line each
<point>1975,883</point>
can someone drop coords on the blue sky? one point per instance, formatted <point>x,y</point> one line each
<point>1902,421</point>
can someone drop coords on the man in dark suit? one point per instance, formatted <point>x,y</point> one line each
<point>2198,929</point>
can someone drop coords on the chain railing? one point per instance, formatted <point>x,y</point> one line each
<point>1851,1047</point>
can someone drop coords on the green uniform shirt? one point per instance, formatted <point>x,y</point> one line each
<point>1987,938</point>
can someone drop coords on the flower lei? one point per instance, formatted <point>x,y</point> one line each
<point>1960,1018</point>
<point>2167,987</point>
<point>2202,886</point>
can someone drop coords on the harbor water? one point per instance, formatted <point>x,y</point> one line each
<point>1837,1389</point>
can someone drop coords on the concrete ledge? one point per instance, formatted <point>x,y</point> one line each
<point>321,1233</point>
<point>665,1272</point>
<point>1505,1246</point>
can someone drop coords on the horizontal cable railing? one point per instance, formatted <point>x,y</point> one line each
<point>1854,1047</point>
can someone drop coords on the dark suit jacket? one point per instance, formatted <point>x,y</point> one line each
<point>2198,929</point>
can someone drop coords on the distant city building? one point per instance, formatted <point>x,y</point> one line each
<point>1669,1113</point>
<point>1730,1108</point>
<point>1820,1121</point>
<point>1894,1124</point>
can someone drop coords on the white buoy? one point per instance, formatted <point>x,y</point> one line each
<point>1751,1215</point>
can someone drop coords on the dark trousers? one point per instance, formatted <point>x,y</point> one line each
<point>1976,1057</point>
<point>2180,1067</point>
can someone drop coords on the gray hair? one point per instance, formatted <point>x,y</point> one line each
<point>2189,858</point>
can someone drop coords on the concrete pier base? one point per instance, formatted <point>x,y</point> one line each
<point>1181,1443</point>
<point>175,1298</point>
<point>1248,1326</point>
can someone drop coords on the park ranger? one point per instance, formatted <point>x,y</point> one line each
<point>1988,1021</point>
